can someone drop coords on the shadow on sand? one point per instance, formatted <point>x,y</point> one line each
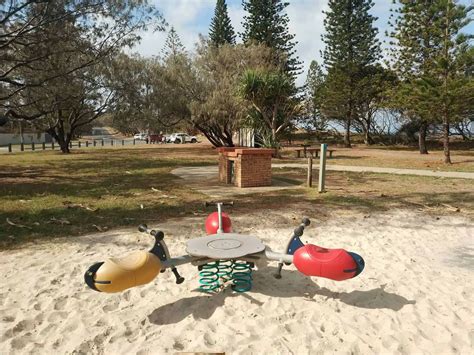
<point>293,284</point>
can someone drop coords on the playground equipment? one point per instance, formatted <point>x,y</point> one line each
<point>222,258</point>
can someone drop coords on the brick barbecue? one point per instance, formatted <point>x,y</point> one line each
<point>245,167</point>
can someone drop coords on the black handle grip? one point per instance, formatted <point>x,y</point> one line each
<point>298,231</point>
<point>142,228</point>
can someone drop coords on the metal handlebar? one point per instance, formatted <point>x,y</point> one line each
<point>297,233</point>
<point>213,203</point>
<point>159,235</point>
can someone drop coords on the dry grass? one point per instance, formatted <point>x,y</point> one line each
<point>369,191</point>
<point>395,157</point>
<point>47,194</point>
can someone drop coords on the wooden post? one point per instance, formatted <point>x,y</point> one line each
<point>22,147</point>
<point>70,144</point>
<point>133,141</point>
<point>322,167</point>
<point>102,142</point>
<point>87,144</point>
<point>95,143</point>
<point>79,144</point>
<point>32,145</point>
<point>123,143</point>
<point>111,142</point>
<point>309,180</point>
<point>52,145</point>
<point>9,148</point>
<point>44,146</point>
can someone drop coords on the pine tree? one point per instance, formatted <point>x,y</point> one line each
<point>173,46</point>
<point>314,94</point>
<point>221,30</point>
<point>431,56</point>
<point>266,22</point>
<point>412,51</point>
<point>351,47</point>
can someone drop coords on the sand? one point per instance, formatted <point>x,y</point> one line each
<point>415,296</point>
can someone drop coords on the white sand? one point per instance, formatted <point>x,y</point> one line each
<point>415,295</point>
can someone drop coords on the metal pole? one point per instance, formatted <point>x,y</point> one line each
<point>309,180</point>
<point>322,167</point>
<point>219,213</point>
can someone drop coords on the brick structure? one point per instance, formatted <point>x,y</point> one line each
<point>245,167</point>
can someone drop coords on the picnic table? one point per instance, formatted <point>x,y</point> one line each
<point>313,151</point>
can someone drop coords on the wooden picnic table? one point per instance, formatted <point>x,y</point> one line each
<point>313,151</point>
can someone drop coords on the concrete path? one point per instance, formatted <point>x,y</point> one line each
<point>205,180</point>
<point>369,169</point>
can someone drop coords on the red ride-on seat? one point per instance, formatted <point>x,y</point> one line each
<point>334,264</point>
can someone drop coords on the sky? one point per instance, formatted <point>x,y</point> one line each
<point>192,17</point>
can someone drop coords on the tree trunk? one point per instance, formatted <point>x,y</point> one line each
<point>368,140</point>
<point>347,134</point>
<point>422,138</point>
<point>447,153</point>
<point>61,139</point>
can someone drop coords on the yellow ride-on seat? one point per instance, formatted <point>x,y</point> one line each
<point>118,274</point>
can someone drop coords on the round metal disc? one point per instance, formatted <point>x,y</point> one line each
<point>224,246</point>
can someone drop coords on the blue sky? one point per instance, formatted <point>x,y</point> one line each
<point>192,17</point>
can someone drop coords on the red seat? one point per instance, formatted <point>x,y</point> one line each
<point>334,264</point>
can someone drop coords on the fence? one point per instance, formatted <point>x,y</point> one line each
<point>22,147</point>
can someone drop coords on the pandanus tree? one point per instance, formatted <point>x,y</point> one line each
<point>274,106</point>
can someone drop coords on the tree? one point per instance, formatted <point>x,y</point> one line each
<point>271,94</point>
<point>351,47</point>
<point>314,94</point>
<point>431,57</point>
<point>267,23</point>
<point>219,111</point>
<point>377,83</point>
<point>452,88</point>
<point>173,46</point>
<point>221,31</point>
<point>27,41</point>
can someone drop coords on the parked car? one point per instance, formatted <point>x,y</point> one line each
<point>182,137</point>
<point>140,136</point>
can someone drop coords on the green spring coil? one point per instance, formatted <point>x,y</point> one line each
<point>224,272</point>
<point>209,277</point>
<point>241,276</point>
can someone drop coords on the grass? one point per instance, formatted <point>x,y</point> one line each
<point>48,194</point>
<point>65,195</point>
<point>377,192</point>
<point>394,157</point>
